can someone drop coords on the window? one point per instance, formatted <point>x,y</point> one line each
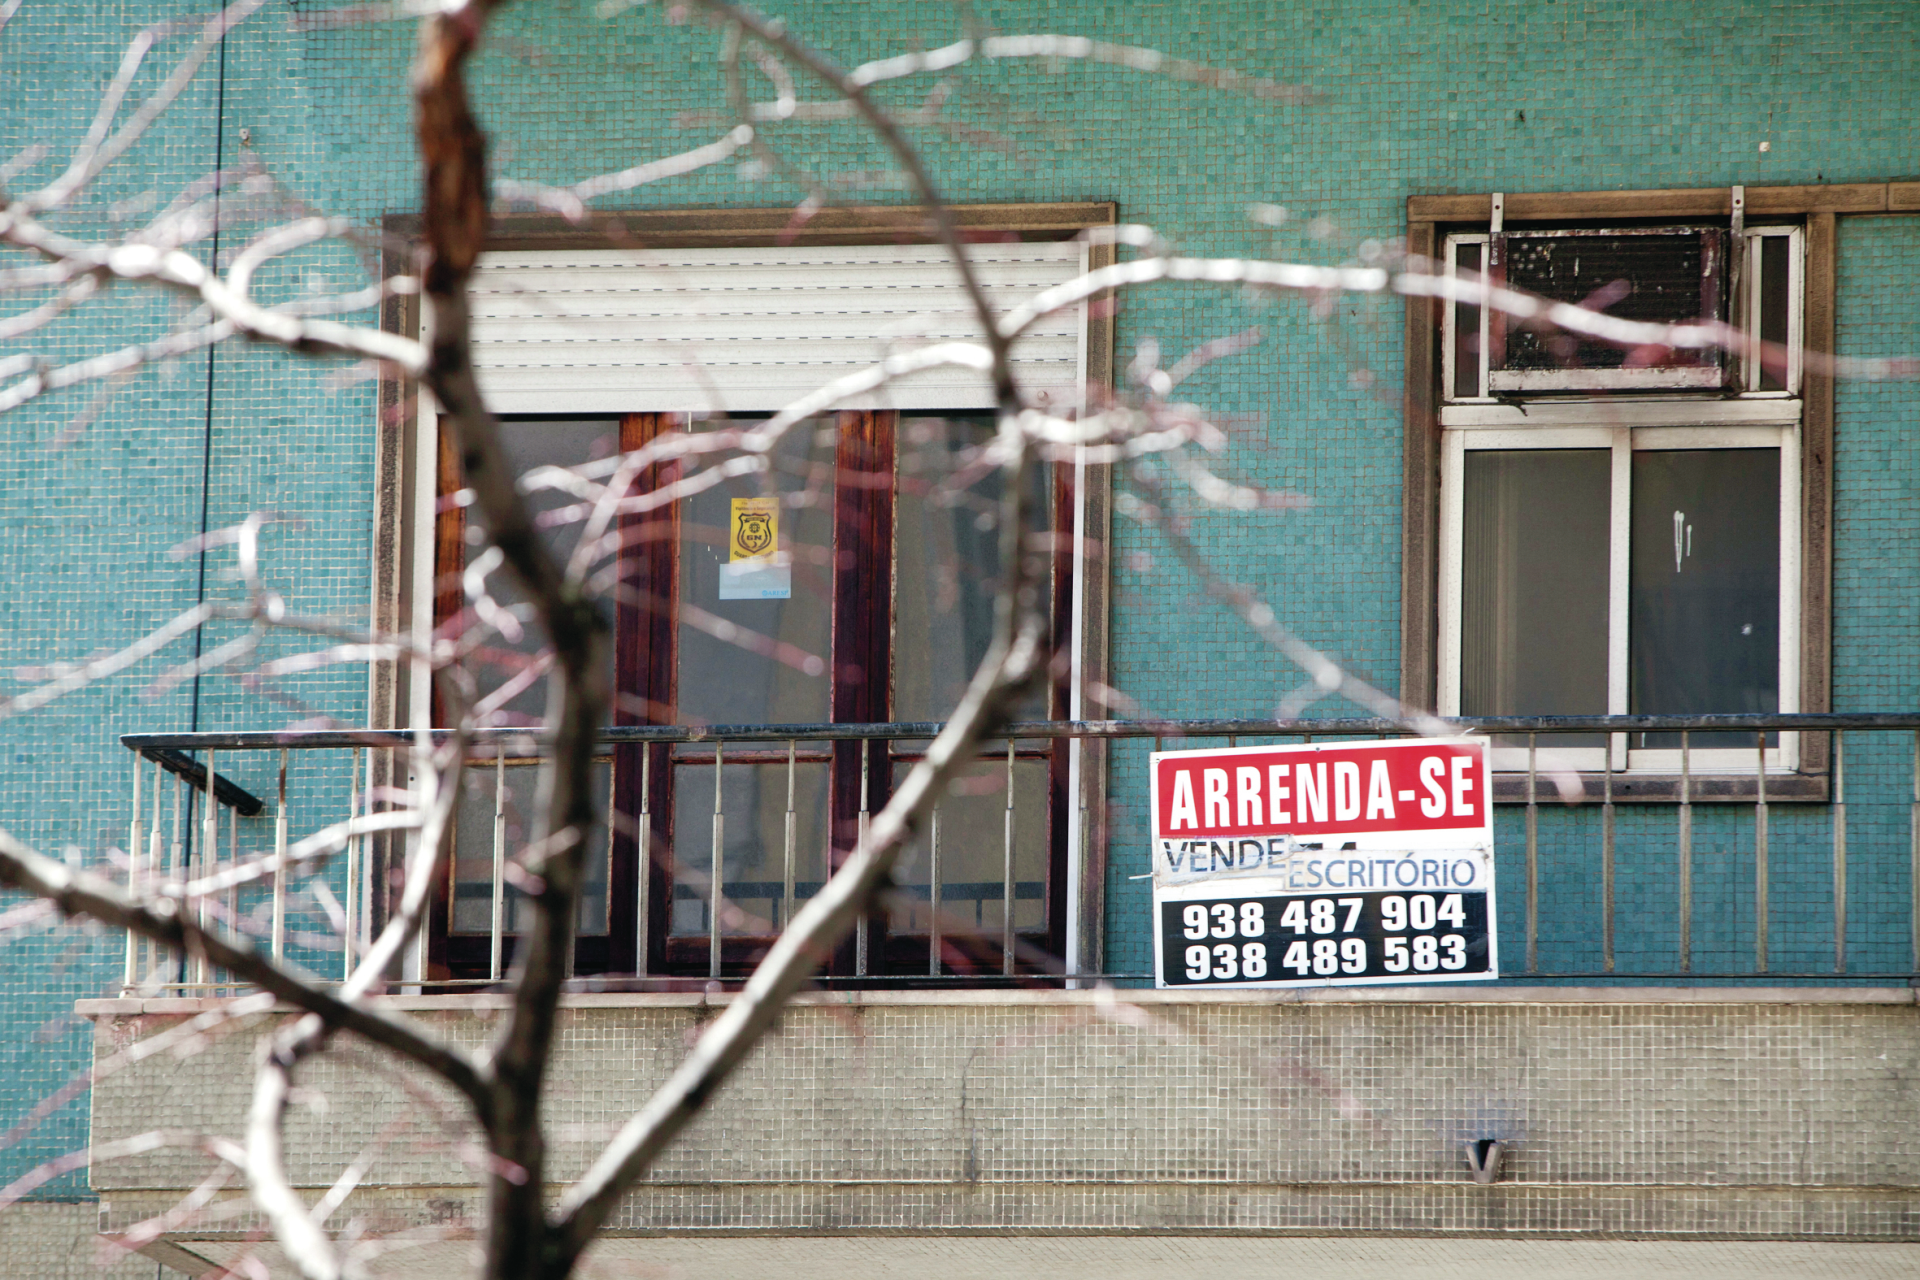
<point>1621,570</point>
<point>878,608</point>
<point>893,569</point>
<point>882,612</point>
<point>1622,530</point>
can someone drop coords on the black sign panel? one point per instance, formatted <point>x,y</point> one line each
<point>1317,938</point>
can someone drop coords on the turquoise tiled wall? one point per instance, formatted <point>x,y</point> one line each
<point>1433,97</point>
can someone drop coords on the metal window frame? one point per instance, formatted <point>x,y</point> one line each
<point>1623,442</point>
<point>1431,410</point>
<point>1670,377</point>
<point>1450,322</point>
<point>1796,311</point>
<point>1494,385</point>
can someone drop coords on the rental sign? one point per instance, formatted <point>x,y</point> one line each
<point>1350,863</point>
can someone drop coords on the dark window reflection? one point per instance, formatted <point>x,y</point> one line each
<point>529,444</point>
<point>1704,634</point>
<point>726,678</point>
<point>473,850</point>
<point>1534,585</point>
<point>1775,301</point>
<point>753,844</point>
<point>1468,264</point>
<point>973,850</point>
<point>947,563</point>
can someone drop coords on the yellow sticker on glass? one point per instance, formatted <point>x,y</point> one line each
<point>754,529</point>
<point>756,568</point>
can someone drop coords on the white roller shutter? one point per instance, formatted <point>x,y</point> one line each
<point>749,330</point>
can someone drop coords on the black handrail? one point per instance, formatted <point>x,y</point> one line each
<point>617,735</point>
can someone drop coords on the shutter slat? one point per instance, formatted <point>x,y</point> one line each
<point>751,330</point>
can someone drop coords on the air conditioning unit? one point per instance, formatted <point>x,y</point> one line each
<point>1661,275</point>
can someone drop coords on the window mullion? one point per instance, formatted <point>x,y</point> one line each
<point>1791,624</point>
<point>1619,565</point>
<point>1452,477</point>
<point>860,665</point>
<point>1796,308</point>
<point>1749,318</point>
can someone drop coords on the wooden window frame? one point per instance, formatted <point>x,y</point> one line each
<point>861,666</point>
<point>1429,219</point>
<point>402,482</point>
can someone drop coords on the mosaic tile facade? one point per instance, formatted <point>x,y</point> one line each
<point>58,1240</point>
<point>1071,1114</point>
<point>1461,95</point>
<point>1222,1257</point>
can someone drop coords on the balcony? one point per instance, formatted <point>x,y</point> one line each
<point>1774,871</point>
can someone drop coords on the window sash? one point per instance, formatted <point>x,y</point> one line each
<point>1622,443</point>
<point>648,642</point>
<point>1746,314</point>
<point>865,605</point>
<point>1750,317</point>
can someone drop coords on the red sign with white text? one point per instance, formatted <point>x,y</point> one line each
<point>1373,788</point>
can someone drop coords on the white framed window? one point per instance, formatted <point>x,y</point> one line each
<point>1632,552</point>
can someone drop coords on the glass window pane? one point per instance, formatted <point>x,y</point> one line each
<point>1704,634</point>
<point>772,670</point>
<point>753,811</point>
<point>947,563</point>
<point>973,842</point>
<point>1533,598</point>
<point>1660,277</point>
<point>473,850</point>
<point>534,443</point>
<point>1466,325</point>
<point>1775,300</point>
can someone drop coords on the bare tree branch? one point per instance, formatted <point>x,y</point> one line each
<point>180,270</point>
<point>80,893</point>
<point>1010,665</point>
<point>455,226</point>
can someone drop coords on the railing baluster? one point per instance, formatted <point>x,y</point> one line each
<point>1006,904</point>
<point>131,975</point>
<point>356,849</point>
<point>933,892</point>
<point>1761,909</point>
<point>643,855</point>
<point>1533,860</point>
<point>786,912</point>
<point>177,858</point>
<point>1606,860</point>
<point>280,865</point>
<point>1686,852</point>
<point>860,926</point>
<point>233,860</point>
<point>1913,876</point>
<point>1074,962</point>
<point>1839,852</point>
<point>156,869</point>
<point>497,919</point>
<point>716,880</point>
<point>209,856</point>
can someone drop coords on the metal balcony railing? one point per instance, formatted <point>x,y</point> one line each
<point>1736,844</point>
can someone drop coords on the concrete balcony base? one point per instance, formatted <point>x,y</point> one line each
<point>1783,1117</point>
